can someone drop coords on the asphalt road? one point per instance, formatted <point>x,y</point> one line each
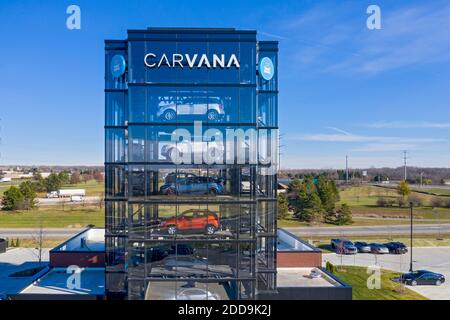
<point>59,201</point>
<point>436,259</point>
<point>32,233</point>
<point>299,231</point>
<point>370,230</point>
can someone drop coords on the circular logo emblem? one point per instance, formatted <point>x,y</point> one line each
<point>118,65</point>
<point>266,68</point>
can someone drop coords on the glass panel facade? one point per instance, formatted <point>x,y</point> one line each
<point>190,197</point>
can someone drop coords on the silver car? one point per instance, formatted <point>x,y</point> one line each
<point>378,248</point>
<point>210,107</point>
<point>363,247</point>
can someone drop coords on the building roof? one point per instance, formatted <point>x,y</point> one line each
<point>89,240</point>
<point>92,282</point>
<point>299,277</point>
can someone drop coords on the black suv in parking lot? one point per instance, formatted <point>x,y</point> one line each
<point>396,247</point>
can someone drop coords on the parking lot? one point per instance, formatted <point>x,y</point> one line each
<point>436,259</point>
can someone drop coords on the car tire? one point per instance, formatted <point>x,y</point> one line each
<point>212,192</point>
<point>414,283</point>
<point>438,282</point>
<point>169,115</point>
<point>210,229</point>
<point>212,115</point>
<point>172,230</point>
<point>170,192</point>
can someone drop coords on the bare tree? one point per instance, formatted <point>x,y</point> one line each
<point>38,241</point>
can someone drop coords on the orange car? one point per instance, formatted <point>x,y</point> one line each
<point>192,220</point>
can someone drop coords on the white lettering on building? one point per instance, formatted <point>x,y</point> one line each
<point>218,61</point>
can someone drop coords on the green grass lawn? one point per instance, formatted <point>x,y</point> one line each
<point>390,290</point>
<point>71,217</point>
<point>367,195</point>
<point>438,191</point>
<point>6,185</point>
<point>292,222</point>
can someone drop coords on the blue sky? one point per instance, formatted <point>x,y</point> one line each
<point>344,89</point>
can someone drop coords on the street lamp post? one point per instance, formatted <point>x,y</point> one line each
<point>411,239</point>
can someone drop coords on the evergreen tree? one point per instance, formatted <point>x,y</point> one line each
<point>29,195</point>
<point>344,215</point>
<point>12,199</point>
<point>283,207</point>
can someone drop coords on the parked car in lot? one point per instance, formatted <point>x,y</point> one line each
<point>362,247</point>
<point>192,220</point>
<point>336,241</point>
<point>396,247</point>
<point>378,248</point>
<point>344,246</point>
<point>422,277</point>
<point>193,185</point>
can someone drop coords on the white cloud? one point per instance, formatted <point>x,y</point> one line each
<point>343,136</point>
<point>409,125</point>
<point>410,35</point>
<point>384,147</point>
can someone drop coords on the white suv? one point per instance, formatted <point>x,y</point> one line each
<point>211,107</point>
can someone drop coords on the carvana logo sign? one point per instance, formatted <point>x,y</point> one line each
<point>118,65</point>
<point>266,68</point>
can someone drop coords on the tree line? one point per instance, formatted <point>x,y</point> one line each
<point>314,200</point>
<point>23,197</point>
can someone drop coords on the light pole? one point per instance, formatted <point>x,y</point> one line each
<point>411,239</point>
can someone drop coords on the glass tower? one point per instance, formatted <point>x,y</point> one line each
<point>191,147</point>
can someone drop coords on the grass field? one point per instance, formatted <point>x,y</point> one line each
<point>438,191</point>
<point>71,217</point>
<point>32,243</point>
<point>360,221</point>
<point>390,290</point>
<point>367,195</point>
<point>6,185</point>
<point>92,187</point>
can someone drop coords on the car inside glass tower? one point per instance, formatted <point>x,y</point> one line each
<point>191,150</point>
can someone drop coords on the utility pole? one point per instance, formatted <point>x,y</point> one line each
<point>411,236</point>
<point>405,152</point>
<point>346,169</point>
<point>279,150</point>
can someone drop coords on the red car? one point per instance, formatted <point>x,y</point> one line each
<point>191,220</point>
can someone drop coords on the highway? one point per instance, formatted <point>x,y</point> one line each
<point>33,233</point>
<point>370,230</point>
<point>59,201</point>
<point>299,231</point>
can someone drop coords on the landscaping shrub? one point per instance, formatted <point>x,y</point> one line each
<point>331,268</point>
<point>381,202</point>
<point>415,200</point>
<point>437,202</point>
<point>401,201</point>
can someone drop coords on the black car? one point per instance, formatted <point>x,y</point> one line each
<point>396,247</point>
<point>422,277</point>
